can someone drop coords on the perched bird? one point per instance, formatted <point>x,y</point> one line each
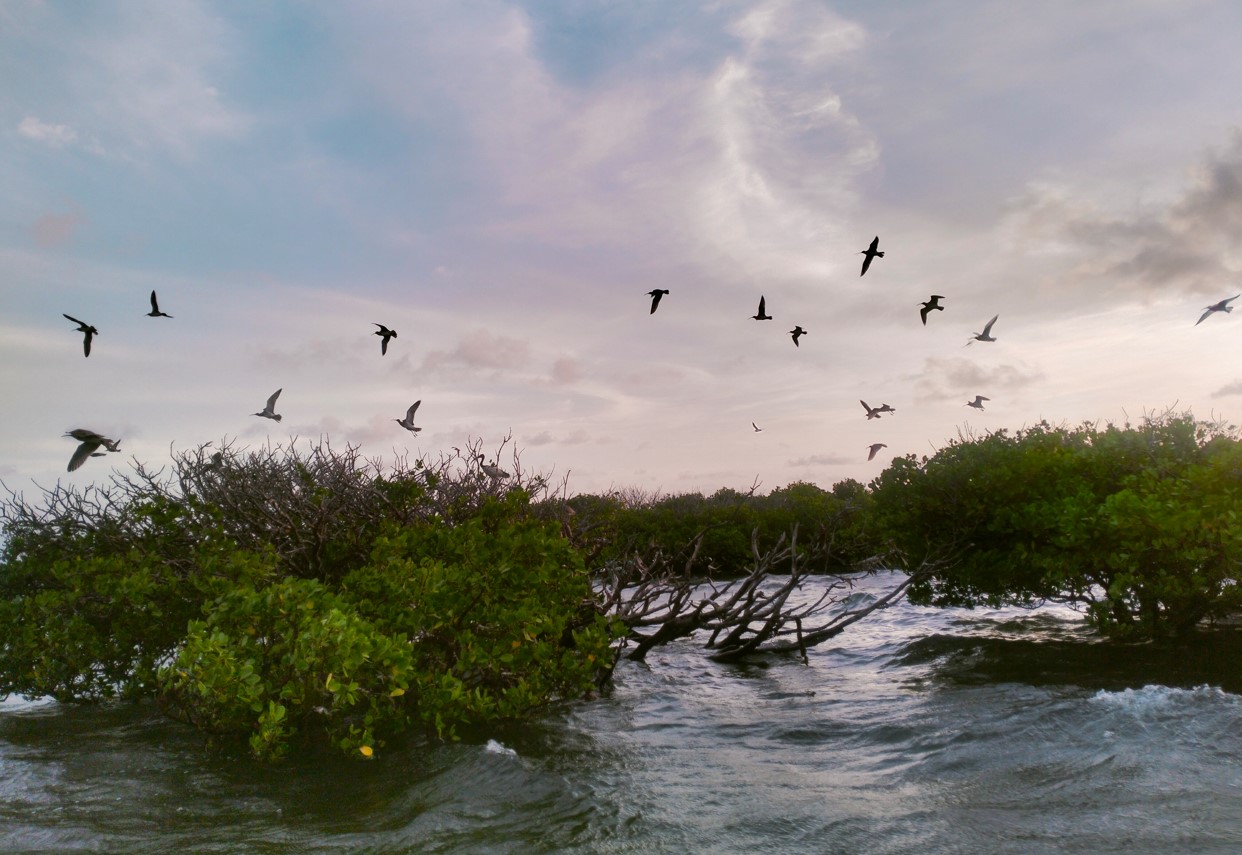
<point>885,408</point>
<point>408,421</point>
<point>215,464</point>
<point>86,328</point>
<point>797,332</point>
<point>762,315</point>
<point>977,403</point>
<point>89,445</point>
<point>871,252</point>
<point>1222,306</point>
<point>155,309</point>
<point>872,412</point>
<point>491,470</point>
<point>986,335</point>
<point>384,333</point>
<point>875,449</point>
<point>655,296</point>
<point>930,305</point>
<point>269,411</point>
<point>756,427</point>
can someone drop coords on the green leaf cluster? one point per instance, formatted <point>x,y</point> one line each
<point>1137,525</point>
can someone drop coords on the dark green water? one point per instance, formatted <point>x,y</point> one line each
<point>922,731</point>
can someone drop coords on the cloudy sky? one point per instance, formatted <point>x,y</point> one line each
<point>502,183</point>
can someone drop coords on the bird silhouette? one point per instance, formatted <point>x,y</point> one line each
<point>215,464</point>
<point>986,335</point>
<point>269,411</point>
<point>408,421</point>
<point>931,305</point>
<point>155,309</point>
<point>86,328</point>
<point>762,315</point>
<point>871,252</point>
<point>89,445</point>
<point>977,403</point>
<point>874,449</point>
<point>384,333</point>
<point>797,332</point>
<point>491,470</point>
<point>655,296</point>
<point>872,412</point>
<point>756,427</point>
<point>1222,306</point>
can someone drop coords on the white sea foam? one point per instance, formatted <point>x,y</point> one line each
<point>494,747</point>
<point>1165,699</point>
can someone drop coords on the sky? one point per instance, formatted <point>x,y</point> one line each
<point>503,182</point>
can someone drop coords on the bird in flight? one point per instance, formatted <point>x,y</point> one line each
<point>885,408</point>
<point>871,252</point>
<point>88,447</point>
<point>762,315</point>
<point>797,332</point>
<point>875,449</point>
<point>384,333</point>
<point>977,403</point>
<point>655,295</point>
<point>931,305</point>
<point>408,421</point>
<point>1222,306</point>
<point>86,328</point>
<point>269,411</point>
<point>872,412</point>
<point>986,335</point>
<point>155,309</point>
<point>756,427</point>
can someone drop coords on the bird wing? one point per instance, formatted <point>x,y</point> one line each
<point>866,264</point>
<point>875,244</point>
<point>75,320</point>
<point>271,402</point>
<point>409,414</point>
<point>762,303</point>
<point>1207,312</point>
<point>923,312</point>
<point>155,306</point>
<point>83,452</point>
<point>655,300</point>
<point>988,329</point>
<point>86,344</point>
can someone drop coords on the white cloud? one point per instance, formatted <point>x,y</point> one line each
<point>56,136</point>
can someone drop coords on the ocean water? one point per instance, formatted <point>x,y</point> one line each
<point>916,730</point>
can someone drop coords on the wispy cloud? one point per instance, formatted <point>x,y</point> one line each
<point>56,136</point>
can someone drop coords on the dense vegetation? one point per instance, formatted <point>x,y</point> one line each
<point>1137,525</point>
<point>278,596</point>
<point>275,595</point>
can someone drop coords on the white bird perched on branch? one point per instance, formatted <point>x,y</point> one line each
<point>490,469</point>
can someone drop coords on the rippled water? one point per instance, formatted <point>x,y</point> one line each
<point>929,731</point>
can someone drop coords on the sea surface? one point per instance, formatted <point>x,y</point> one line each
<point>916,731</point>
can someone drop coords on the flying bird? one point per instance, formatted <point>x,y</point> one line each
<point>384,333</point>
<point>986,335</point>
<point>269,411</point>
<point>756,427</point>
<point>89,445</point>
<point>931,305</point>
<point>1222,306</point>
<point>408,421</point>
<point>655,296</point>
<point>797,332</point>
<point>977,403</point>
<point>155,309</point>
<point>86,328</point>
<point>875,449</point>
<point>871,252</point>
<point>762,315</point>
<point>872,412</point>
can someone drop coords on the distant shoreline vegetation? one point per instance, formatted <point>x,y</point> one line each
<point>276,596</point>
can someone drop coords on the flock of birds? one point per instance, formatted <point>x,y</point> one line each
<point>932,304</point>
<point>90,442</point>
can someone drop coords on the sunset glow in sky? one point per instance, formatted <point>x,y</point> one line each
<point>503,183</point>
